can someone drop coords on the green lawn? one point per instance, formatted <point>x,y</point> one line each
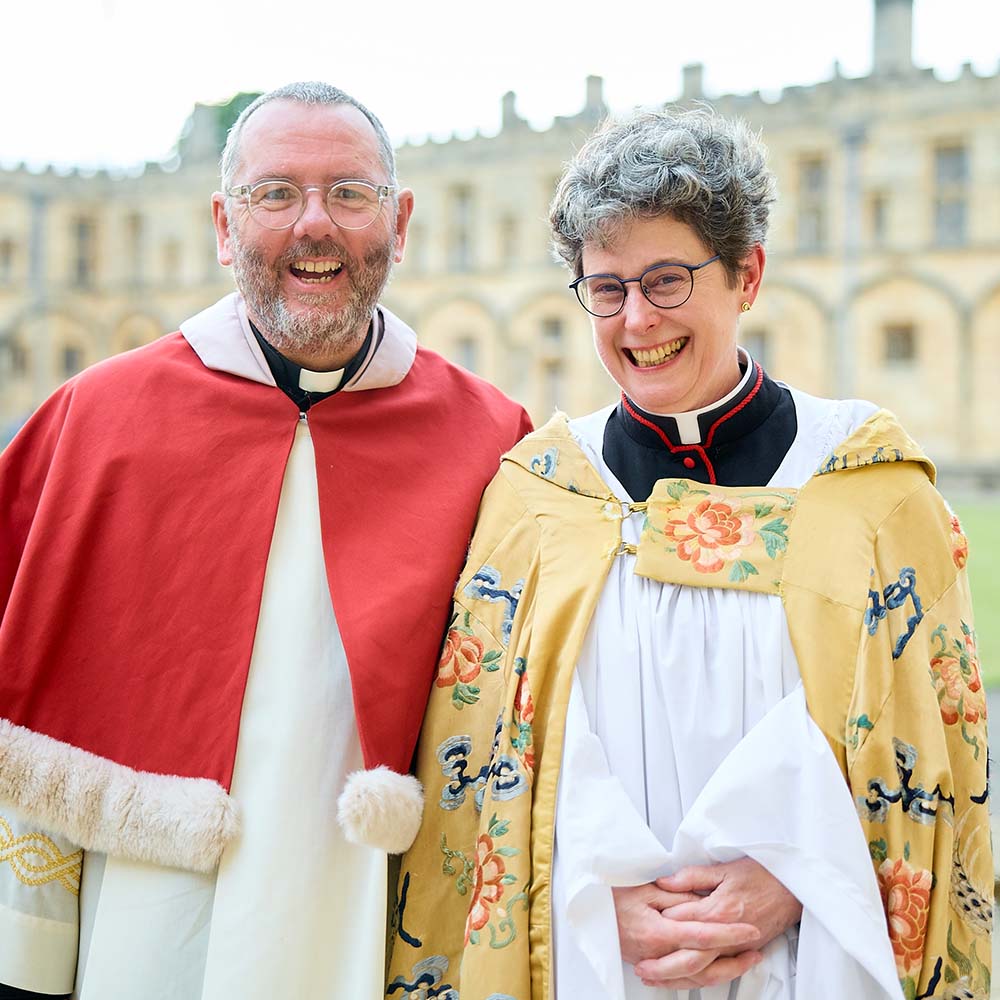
<point>982,525</point>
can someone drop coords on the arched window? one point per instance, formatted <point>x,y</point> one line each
<point>900,344</point>
<point>951,177</point>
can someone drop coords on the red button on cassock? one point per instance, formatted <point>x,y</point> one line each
<point>689,462</point>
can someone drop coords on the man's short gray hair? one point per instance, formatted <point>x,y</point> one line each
<point>310,92</point>
<point>695,166</point>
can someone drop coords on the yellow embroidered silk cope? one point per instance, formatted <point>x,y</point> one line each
<point>869,563</point>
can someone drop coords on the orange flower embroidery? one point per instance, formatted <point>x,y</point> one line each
<point>959,543</point>
<point>711,535</point>
<point>958,683</point>
<point>523,704</point>
<point>488,890</point>
<point>906,894</point>
<point>461,659</point>
<point>524,714</point>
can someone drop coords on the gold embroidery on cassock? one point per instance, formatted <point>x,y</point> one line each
<point>35,859</point>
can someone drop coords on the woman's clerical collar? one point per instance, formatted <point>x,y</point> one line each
<point>305,387</point>
<point>740,440</point>
<point>693,426</point>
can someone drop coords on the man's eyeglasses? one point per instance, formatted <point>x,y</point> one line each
<point>278,204</point>
<point>667,286</point>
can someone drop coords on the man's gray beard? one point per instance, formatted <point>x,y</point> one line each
<point>317,332</point>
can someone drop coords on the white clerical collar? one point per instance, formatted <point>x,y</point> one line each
<point>222,338</point>
<point>319,381</point>
<point>688,424</point>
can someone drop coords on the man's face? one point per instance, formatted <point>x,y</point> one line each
<point>310,288</point>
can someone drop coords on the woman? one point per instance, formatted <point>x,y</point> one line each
<point>685,621</point>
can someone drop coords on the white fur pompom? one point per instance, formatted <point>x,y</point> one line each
<point>380,808</point>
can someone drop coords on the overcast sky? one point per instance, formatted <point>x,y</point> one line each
<point>110,82</point>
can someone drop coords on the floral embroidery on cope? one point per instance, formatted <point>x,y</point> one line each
<point>490,881</point>
<point>906,894</point>
<point>959,543</point>
<point>716,531</point>
<point>485,586</point>
<point>486,875</point>
<point>712,535</point>
<point>522,717</point>
<point>464,655</point>
<point>959,685</point>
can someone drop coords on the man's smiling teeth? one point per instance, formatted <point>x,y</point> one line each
<point>647,359</point>
<point>318,271</point>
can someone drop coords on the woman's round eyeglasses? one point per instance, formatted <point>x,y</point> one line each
<point>667,286</point>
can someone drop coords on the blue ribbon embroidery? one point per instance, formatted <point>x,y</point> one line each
<point>918,804</point>
<point>544,465</point>
<point>502,773</point>
<point>895,595</point>
<point>485,586</point>
<point>839,463</point>
<point>412,941</point>
<point>425,981</point>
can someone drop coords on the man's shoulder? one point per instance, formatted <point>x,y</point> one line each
<point>151,364</point>
<point>101,398</point>
<point>438,370</point>
<point>166,352</point>
<point>129,386</point>
<point>441,405</point>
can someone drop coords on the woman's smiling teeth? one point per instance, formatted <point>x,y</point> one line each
<point>655,356</point>
<point>316,271</point>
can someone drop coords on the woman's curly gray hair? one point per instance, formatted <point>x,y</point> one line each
<point>695,166</point>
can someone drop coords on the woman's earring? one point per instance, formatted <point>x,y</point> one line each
<point>745,307</point>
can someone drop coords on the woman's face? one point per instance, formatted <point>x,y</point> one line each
<point>671,360</point>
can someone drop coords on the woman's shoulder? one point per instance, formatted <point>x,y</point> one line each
<point>869,469</point>
<point>589,429</point>
<point>851,433</point>
<point>559,454</point>
<point>829,421</point>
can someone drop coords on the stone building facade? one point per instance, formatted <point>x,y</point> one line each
<point>883,274</point>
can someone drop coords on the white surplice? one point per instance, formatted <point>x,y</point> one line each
<point>688,742</point>
<point>294,910</point>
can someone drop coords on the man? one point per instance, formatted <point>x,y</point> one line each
<point>226,562</point>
